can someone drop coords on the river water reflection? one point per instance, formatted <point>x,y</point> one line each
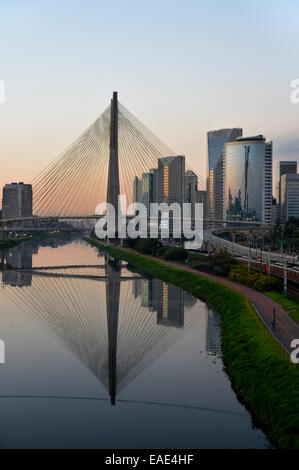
<point>98,356</point>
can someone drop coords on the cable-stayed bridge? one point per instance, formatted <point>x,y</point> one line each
<point>99,165</point>
<point>97,168</point>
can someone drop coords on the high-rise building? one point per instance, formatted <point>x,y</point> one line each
<point>216,141</point>
<point>210,197</point>
<point>218,192</point>
<point>268,175</point>
<point>154,172</point>
<point>137,190</point>
<point>17,201</point>
<point>191,183</point>
<point>248,179</point>
<point>289,206</point>
<point>147,190</point>
<point>275,211</point>
<point>171,179</point>
<point>282,168</point>
<point>201,197</point>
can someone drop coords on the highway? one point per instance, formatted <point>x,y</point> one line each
<point>241,250</point>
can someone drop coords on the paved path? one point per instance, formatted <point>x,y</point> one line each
<point>285,330</point>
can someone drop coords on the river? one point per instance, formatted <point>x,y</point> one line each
<point>98,356</point>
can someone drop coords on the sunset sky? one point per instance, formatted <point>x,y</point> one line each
<point>182,67</point>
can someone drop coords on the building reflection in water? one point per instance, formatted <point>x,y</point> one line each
<point>14,260</point>
<point>19,257</point>
<point>167,300</point>
<point>116,329</point>
<point>213,334</point>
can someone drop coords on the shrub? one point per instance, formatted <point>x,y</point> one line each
<point>131,242</point>
<point>221,255</point>
<point>161,250</point>
<point>147,246</point>
<point>257,281</point>
<point>175,254</point>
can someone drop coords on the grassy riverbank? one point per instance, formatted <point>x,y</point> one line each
<point>261,376</point>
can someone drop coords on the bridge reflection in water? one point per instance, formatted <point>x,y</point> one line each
<point>116,332</point>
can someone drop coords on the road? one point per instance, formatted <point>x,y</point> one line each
<point>237,249</point>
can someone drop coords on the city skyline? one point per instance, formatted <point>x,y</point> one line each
<point>239,180</point>
<point>51,103</point>
<point>149,228</point>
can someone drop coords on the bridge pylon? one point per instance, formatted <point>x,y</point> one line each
<point>113,188</point>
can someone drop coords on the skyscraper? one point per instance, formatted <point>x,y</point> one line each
<point>216,141</point>
<point>137,189</point>
<point>218,191</point>
<point>17,201</point>
<point>191,183</point>
<point>154,172</point>
<point>289,196</point>
<point>201,197</point>
<point>248,179</point>
<point>171,179</point>
<point>282,168</point>
<point>147,190</point>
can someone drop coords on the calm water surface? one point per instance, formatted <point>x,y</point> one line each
<point>99,357</point>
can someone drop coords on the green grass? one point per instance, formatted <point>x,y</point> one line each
<point>198,256</point>
<point>291,307</point>
<point>261,376</point>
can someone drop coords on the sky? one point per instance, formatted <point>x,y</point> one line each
<point>181,67</point>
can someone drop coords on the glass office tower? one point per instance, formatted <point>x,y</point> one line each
<point>248,179</point>
<point>216,141</point>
